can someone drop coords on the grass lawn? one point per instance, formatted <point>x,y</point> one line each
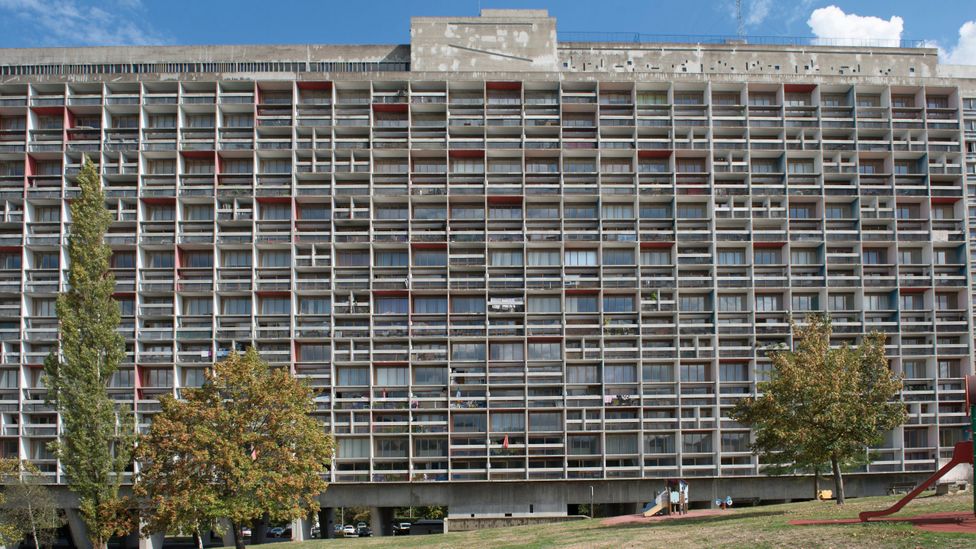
<point>743,527</point>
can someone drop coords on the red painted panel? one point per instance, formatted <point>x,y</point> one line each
<point>503,85</point>
<point>505,199</point>
<point>662,153</point>
<point>799,88</point>
<point>428,245</point>
<point>467,153</point>
<point>390,107</point>
<point>945,199</point>
<point>768,244</point>
<point>310,85</point>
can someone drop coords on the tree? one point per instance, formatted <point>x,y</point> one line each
<point>96,435</point>
<point>823,405</point>
<point>243,447</point>
<point>29,507</point>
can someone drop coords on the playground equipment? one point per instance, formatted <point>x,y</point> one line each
<point>963,452</point>
<point>659,504</point>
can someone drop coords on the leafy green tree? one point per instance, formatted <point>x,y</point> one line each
<point>822,404</point>
<point>30,508</point>
<point>243,447</point>
<point>96,435</point>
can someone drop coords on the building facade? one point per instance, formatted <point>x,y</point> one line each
<point>501,256</point>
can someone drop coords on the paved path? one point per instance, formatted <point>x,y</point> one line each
<point>628,519</point>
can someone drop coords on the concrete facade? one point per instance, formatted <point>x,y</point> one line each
<point>515,267</point>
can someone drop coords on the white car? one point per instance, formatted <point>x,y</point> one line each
<point>349,531</point>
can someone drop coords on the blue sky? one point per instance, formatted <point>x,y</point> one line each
<point>31,23</point>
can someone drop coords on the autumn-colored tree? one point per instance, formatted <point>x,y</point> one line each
<point>822,404</point>
<point>242,447</point>
<point>96,434</point>
<point>29,507</point>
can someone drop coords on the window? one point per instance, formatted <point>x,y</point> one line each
<point>583,445</point>
<point>314,305</point>
<point>44,307</point>
<point>735,442</point>
<point>801,211</point>
<point>877,302</point>
<point>949,368</point>
<point>731,257</point>
<point>392,376</point>
<point>914,369</point>
<point>581,304</point>
<point>238,120</point>
<point>507,422</point>
<point>391,259</point>
<point>425,447</point>
<point>197,306</point>
<point>618,303</point>
<point>429,258</point>
<point>945,302</point>
<point>159,260</point>
<point>236,258</point>
<point>10,261</point>
<point>467,212</point>
<point>467,305</point>
<point>691,212</point>
<point>767,257</point>
<point>506,351</point>
<point>275,258</point>
<point>236,306</point>
<point>426,375</point>
<point>313,352</point>
<point>542,258</point>
<point>659,443</point>
<point>909,256</point>
<point>429,213</point>
<point>353,448</point>
<point>581,258</point>
<point>621,444</point>
<point>658,373</point>
<point>547,304</point>
<point>545,351</point>
<point>127,306</point>
<point>694,373</point>
<point>545,421</point>
<point>47,214</point>
<point>767,303</point>
<point>200,121</point>
<point>840,302</point>
<point>800,167</point>
<point>507,212</point>
<point>198,212</point>
<point>542,212</point>
<point>803,257</point>
<point>430,305</point>
<point>391,212</point>
<point>837,211</point>
<point>47,260</point>
<point>735,371</point>
<point>506,258</point>
<point>912,302</point>
<point>657,211</point>
<point>731,303</point>
<point>276,212</point>
<point>805,302</point>
<point>198,260</point>
<point>352,376</point>
<point>582,374</point>
<point>655,257</point>
<point>313,212</point>
<point>468,351</point>
<point>620,373</point>
<point>618,256</point>
<point>160,213</point>
<point>618,211</point>
<point>580,212</point>
<point>874,256</point>
<point>391,305</point>
<point>240,166</point>
<point>696,443</point>
<point>692,303</point>
<point>469,423</point>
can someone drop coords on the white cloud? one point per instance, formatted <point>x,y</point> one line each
<point>964,53</point>
<point>832,26</point>
<point>758,12</point>
<point>75,22</point>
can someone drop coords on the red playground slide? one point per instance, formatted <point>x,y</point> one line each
<point>962,453</point>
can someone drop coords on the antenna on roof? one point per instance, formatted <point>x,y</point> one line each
<point>739,28</point>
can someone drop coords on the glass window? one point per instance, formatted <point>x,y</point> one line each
<point>392,376</point>
<point>352,376</point>
<point>429,258</point>
<point>430,305</point>
<point>426,375</point>
<point>544,304</point>
<point>617,256</point>
<point>198,259</point>
<point>275,212</point>
<point>314,305</point>
<point>199,306</point>
<point>693,373</point>
<point>468,351</point>
<point>159,260</point>
<point>236,258</point>
<point>581,304</point>
<point>581,258</point>
<point>314,352</point>
<point>731,303</point>
<point>545,351</point>
<point>506,258</point>
<point>391,305</point>
<point>353,448</point>
<point>655,257</point>
<point>545,421</point>
<point>391,259</point>
<point>275,305</point>
<point>236,306</point>
<point>506,351</point>
<point>621,443</point>
<point>618,303</point>
<point>467,305</point>
<point>469,423</point>
<point>275,258</point>
<point>767,303</point>
<point>736,371</point>
<point>767,257</point>
<point>692,303</point>
<point>539,258</point>
<point>49,260</point>
<point>696,443</point>
<point>731,257</point>
<point>507,421</point>
<point>659,443</point>
<point>620,373</point>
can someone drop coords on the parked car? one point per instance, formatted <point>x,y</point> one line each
<point>286,533</point>
<point>401,528</point>
<point>349,531</point>
<point>275,532</point>
<point>364,531</point>
<point>315,532</point>
<point>246,532</point>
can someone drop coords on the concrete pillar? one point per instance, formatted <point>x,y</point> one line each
<point>327,522</point>
<point>301,529</point>
<point>381,521</point>
<point>79,531</point>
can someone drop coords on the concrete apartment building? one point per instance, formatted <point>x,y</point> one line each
<point>525,272</point>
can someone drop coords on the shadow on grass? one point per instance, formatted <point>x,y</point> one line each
<point>698,521</point>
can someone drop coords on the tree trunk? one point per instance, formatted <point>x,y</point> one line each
<point>238,535</point>
<point>197,537</point>
<point>838,480</point>
<point>816,483</point>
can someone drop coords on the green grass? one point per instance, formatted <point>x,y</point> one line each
<point>743,527</point>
